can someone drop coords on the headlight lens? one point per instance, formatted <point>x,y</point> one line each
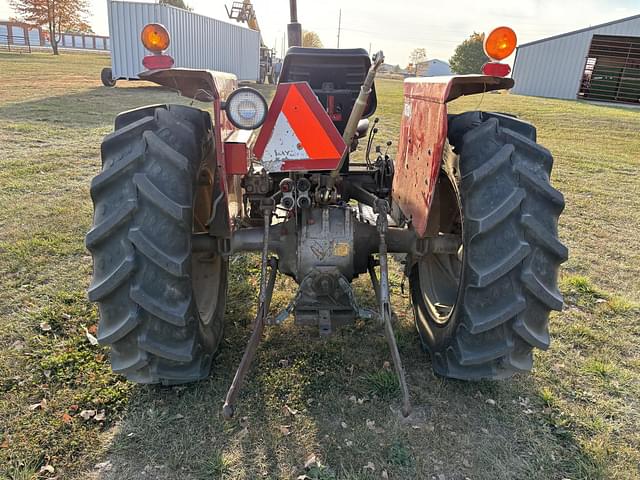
<point>246,108</point>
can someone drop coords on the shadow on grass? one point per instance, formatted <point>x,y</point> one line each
<point>308,396</point>
<point>89,108</point>
<point>97,107</point>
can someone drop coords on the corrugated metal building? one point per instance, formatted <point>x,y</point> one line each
<point>598,63</point>
<point>196,41</point>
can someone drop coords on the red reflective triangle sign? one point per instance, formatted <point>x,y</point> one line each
<point>298,134</point>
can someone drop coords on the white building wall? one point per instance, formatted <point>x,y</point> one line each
<point>553,67</point>
<point>196,41</point>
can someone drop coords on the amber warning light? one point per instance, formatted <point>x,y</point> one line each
<point>498,45</point>
<point>155,38</point>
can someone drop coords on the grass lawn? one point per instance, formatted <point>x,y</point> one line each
<point>64,414</point>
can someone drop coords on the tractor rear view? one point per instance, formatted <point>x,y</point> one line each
<point>467,202</point>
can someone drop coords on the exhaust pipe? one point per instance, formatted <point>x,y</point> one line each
<point>294,29</point>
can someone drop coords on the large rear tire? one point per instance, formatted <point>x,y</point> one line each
<point>481,311</point>
<point>161,306</point>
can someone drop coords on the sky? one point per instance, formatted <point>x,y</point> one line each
<point>397,27</point>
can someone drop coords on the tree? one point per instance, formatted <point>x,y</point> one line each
<point>416,56</point>
<point>58,15</point>
<point>469,56</point>
<point>176,3</point>
<point>311,39</point>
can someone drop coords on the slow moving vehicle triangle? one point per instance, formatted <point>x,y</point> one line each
<point>298,134</point>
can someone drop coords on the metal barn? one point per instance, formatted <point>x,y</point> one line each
<point>596,63</point>
<point>197,41</point>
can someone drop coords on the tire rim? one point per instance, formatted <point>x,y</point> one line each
<point>206,268</point>
<point>440,274</point>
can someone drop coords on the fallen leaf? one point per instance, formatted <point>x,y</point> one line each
<point>285,429</point>
<point>491,401</point>
<point>66,418</point>
<point>466,463</point>
<point>100,417</point>
<point>369,466</point>
<point>74,408</point>
<point>310,462</point>
<point>93,329</point>
<point>42,405</point>
<point>103,466</point>
<point>92,340</point>
<point>47,469</point>
<point>348,443</point>
<point>371,424</point>
<point>385,475</point>
<point>343,424</point>
<point>5,443</point>
<point>287,410</point>
<point>87,414</point>
<point>284,363</point>
<point>386,365</point>
<point>353,399</point>
<point>45,327</point>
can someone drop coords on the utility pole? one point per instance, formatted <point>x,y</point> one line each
<point>294,29</point>
<point>339,26</point>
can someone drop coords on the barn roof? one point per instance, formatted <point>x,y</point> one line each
<point>622,20</point>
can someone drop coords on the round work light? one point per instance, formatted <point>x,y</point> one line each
<point>246,108</point>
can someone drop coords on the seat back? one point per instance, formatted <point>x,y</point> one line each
<point>335,76</point>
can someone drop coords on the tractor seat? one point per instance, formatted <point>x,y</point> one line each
<point>335,76</point>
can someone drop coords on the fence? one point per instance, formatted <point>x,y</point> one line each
<point>24,36</point>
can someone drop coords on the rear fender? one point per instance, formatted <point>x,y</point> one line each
<point>423,132</point>
<point>214,87</point>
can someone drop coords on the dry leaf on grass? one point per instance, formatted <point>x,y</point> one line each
<point>285,429</point>
<point>45,327</point>
<point>47,469</point>
<point>369,466</point>
<point>287,410</point>
<point>100,417</point>
<point>92,340</point>
<point>66,418</point>
<point>310,462</point>
<point>87,414</point>
<point>42,405</point>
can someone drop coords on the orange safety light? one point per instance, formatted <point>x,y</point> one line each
<point>155,37</point>
<point>500,43</point>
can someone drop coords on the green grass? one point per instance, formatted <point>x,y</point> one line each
<point>576,416</point>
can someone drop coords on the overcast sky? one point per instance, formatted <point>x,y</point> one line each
<point>399,26</point>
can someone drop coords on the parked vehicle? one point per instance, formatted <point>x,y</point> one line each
<point>468,200</point>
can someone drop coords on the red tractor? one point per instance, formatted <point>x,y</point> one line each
<point>467,201</point>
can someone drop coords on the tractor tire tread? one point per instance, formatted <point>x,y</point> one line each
<point>511,247</point>
<point>141,279</point>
